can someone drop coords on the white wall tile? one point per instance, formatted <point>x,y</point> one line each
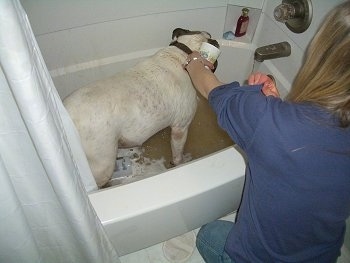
<point>247,3</point>
<point>111,38</point>
<point>50,16</point>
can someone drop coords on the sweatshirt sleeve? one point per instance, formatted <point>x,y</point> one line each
<point>239,110</point>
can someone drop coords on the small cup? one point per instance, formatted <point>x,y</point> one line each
<point>209,52</point>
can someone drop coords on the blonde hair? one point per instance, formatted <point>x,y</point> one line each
<point>324,79</point>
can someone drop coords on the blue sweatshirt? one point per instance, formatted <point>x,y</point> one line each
<point>297,188</point>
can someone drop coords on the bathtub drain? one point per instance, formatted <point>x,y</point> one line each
<point>123,167</point>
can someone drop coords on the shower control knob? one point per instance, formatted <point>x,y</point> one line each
<point>296,14</point>
<point>284,12</point>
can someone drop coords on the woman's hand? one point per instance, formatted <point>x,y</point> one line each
<point>196,56</point>
<point>269,85</point>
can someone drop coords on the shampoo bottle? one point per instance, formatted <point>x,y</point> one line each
<point>242,23</point>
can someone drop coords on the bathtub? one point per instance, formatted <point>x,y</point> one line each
<point>149,211</point>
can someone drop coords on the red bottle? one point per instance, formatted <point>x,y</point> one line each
<point>242,23</point>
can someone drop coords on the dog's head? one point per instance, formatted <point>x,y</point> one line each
<point>193,40</point>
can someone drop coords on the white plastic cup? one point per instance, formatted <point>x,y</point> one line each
<point>209,52</point>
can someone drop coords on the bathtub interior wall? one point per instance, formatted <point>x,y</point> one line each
<point>97,39</point>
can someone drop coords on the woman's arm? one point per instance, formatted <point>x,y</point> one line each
<point>202,78</point>
<point>205,81</point>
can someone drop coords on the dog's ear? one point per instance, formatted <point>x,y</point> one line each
<point>214,43</point>
<point>179,32</point>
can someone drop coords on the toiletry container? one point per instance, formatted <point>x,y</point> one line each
<point>242,23</point>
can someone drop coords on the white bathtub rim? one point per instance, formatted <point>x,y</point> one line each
<point>110,211</point>
<point>102,62</point>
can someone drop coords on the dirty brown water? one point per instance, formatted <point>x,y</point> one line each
<point>204,137</point>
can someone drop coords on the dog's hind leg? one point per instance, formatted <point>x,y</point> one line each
<point>178,140</point>
<point>101,154</point>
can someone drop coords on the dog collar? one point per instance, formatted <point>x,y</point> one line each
<point>181,46</point>
<point>188,51</point>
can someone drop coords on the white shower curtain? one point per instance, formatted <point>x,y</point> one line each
<point>45,213</point>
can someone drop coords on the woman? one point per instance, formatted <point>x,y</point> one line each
<point>297,192</point>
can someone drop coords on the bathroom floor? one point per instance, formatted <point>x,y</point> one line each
<point>155,253</point>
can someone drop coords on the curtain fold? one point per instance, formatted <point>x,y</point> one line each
<point>45,213</point>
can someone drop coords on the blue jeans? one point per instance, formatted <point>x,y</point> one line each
<point>211,241</point>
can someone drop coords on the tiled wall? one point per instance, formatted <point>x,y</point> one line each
<point>73,32</point>
<point>79,31</point>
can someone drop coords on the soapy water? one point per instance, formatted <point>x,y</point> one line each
<point>132,165</point>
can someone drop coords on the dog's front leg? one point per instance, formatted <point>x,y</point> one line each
<point>178,140</point>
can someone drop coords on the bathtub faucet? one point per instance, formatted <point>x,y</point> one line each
<point>272,51</point>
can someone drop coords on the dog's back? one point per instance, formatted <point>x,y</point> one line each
<point>129,107</point>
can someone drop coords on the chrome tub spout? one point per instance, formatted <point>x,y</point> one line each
<point>272,51</point>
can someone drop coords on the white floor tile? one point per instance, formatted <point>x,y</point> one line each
<point>155,254</point>
<point>196,257</point>
<point>136,257</point>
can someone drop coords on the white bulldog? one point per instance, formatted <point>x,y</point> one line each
<point>129,107</point>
